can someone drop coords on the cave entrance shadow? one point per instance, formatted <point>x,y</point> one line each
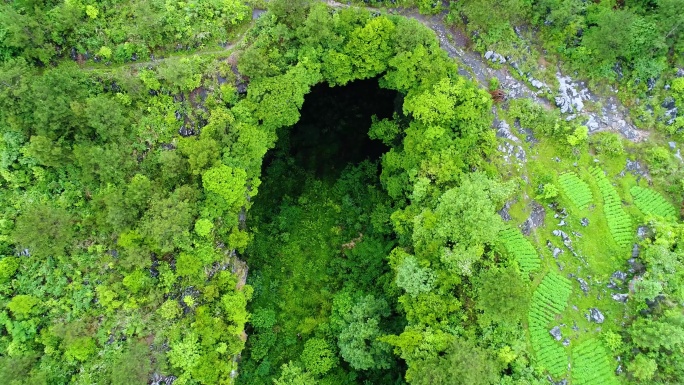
<point>332,131</point>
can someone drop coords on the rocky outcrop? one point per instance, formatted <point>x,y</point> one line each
<point>536,218</point>
<point>569,98</point>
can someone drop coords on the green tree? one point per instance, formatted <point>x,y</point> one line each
<point>8,266</point>
<point>502,296</point>
<point>411,277</point>
<point>45,152</point>
<point>463,363</point>
<point>643,368</point>
<point>370,47</point>
<point>201,153</point>
<point>106,119</point>
<point>464,220</point>
<point>415,70</point>
<point>357,320</point>
<point>227,183</point>
<point>317,357</point>
<point>24,306</point>
<point>168,221</point>
<point>43,229</point>
<point>291,374</point>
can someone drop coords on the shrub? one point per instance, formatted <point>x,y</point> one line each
<point>608,143</point>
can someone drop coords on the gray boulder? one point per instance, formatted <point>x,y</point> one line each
<point>158,379</point>
<point>569,99</point>
<point>557,252</point>
<point>556,333</point>
<point>583,285</point>
<point>495,57</point>
<point>620,297</point>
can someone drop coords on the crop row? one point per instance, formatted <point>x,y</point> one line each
<point>549,352</point>
<point>521,249</point>
<point>591,365</point>
<point>553,291</point>
<point>575,189</point>
<point>650,202</point>
<point>549,299</point>
<point>619,222</point>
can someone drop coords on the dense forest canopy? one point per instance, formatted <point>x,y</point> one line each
<point>299,192</point>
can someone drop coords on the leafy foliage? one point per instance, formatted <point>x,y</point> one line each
<point>131,193</point>
<point>115,31</point>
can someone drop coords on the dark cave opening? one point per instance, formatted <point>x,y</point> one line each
<point>332,131</point>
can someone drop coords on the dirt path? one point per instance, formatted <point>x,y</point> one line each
<point>226,49</point>
<point>156,61</point>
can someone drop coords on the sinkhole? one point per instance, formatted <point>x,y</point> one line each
<point>312,226</point>
<point>332,131</point>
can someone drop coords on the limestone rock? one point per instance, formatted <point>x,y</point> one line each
<point>495,57</point>
<point>620,297</point>
<point>595,315</point>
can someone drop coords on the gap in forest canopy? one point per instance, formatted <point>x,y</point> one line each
<point>332,131</point>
